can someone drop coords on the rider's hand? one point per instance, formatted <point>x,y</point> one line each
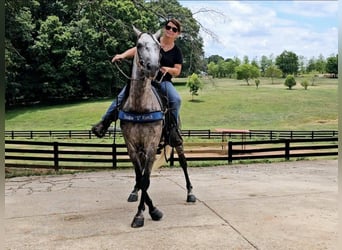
<point>164,70</point>
<point>117,57</point>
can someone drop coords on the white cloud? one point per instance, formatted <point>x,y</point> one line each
<point>257,28</point>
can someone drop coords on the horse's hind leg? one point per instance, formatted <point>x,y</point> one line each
<point>182,161</point>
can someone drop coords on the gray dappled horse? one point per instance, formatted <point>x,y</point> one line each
<point>142,124</point>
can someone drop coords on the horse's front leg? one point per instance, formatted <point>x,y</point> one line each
<point>138,220</point>
<point>182,161</point>
<point>133,196</point>
<point>154,212</point>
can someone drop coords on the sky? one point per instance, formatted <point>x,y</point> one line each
<point>257,28</point>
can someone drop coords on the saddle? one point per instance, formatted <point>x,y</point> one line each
<point>171,134</point>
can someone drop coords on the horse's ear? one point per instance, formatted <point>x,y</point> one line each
<point>157,34</point>
<point>137,32</point>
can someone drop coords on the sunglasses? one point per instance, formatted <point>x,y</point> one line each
<point>174,29</point>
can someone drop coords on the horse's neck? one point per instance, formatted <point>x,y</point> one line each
<point>141,97</point>
<point>140,86</point>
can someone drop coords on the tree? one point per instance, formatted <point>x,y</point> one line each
<point>62,49</point>
<point>215,58</point>
<point>264,64</point>
<point>287,62</point>
<point>229,67</point>
<point>273,71</point>
<point>305,84</point>
<point>194,83</point>
<point>290,81</point>
<point>247,72</point>
<point>320,64</point>
<point>311,65</point>
<point>255,63</point>
<point>245,59</point>
<point>302,68</point>
<point>213,69</point>
<point>257,83</point>
<point>332,65</point>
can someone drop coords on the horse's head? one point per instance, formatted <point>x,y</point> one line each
<point>148,52</point>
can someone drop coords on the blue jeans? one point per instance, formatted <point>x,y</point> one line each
<point>167,89</point>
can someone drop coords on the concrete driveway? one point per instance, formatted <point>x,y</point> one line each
<point>289,205</point>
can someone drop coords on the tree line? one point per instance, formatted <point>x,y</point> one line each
<point>61,50</point>
<point>287,63</point>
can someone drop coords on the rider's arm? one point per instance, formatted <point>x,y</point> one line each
<point>174,71</point>
<point>127,54</point>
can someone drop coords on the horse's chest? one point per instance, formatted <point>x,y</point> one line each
<point>142,103</point>
<point>142,133</point>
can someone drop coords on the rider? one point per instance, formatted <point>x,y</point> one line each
<point>171,66</point>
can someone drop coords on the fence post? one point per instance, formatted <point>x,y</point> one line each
<point>114,155</point>
<point>55,155</point>
<point>230,152</point>
<point>287,150</point>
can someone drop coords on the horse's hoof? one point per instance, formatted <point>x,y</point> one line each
<point>138,221</point>
<point>156,214</point>
<point>191,198</point>
<point>133,197</point>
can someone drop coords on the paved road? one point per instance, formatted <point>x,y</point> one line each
<point>278,206</point>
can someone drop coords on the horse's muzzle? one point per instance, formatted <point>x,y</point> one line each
<point>151,69</point>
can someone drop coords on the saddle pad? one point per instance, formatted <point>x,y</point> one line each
<point>141,118</point>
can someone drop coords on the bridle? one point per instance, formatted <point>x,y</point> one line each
<point>140,63</point>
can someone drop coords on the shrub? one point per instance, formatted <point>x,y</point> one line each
<point>290,81</point>
<point>305,84</point>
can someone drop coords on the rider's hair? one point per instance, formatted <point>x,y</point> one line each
<point>175,22</point>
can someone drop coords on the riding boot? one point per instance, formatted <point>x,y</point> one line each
<point>175,136</point>
<point>101,127</point>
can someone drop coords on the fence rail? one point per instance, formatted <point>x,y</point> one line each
<point>59,155</point>
<point>205,134</point>
<point>289,148</point>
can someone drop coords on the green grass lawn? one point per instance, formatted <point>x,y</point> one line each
<point>222,103</point>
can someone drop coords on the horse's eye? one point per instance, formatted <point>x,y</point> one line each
<point>139,45</point>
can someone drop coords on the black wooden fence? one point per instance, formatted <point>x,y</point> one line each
<point>64,155</point>
<point>205,134</point>
<point>284,148</point>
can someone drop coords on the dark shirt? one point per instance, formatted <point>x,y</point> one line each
<point>169,59</point>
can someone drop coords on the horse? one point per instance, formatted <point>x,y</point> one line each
<point>141,121</point>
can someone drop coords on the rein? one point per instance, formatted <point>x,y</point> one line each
<point>132,79</point>
<point>121,71</point>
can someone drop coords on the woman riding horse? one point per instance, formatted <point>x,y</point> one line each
<point>171,66</point>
